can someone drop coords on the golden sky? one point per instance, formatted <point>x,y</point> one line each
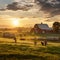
<point>25,19</point>
<point>26,16</point>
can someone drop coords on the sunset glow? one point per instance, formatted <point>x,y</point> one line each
<point>27,13</point>
<point>15,22</point>
<point>30,29</point>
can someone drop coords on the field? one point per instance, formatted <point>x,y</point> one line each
<point>29,52</point>
<point>25,49</point>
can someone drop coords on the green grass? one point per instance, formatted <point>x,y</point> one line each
<point>25,50</point>
<point>20,52</point>
<point>47,34</point>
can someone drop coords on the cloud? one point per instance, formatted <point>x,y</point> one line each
<point>16,0</point>
<point>53,19</point>
<point>12,6</point>
<point>19,6</point>
<point>50,6</point>
<point>24,0</point>
<point>20,13</point>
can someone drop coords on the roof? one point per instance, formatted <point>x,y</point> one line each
<point>44,26</point>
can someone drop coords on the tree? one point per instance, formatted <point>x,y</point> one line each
<point>56,27</point>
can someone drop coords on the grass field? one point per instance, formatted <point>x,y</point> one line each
<point>25,50</point>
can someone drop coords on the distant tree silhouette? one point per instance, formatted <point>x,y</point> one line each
<point>56,27</point>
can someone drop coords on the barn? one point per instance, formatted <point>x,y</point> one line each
<point>42,28</point>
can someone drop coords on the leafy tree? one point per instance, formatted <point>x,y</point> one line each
<point>56,27</point>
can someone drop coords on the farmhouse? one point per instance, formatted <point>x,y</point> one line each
<point>42,28</point>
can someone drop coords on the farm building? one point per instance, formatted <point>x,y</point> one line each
<point>42,28</point>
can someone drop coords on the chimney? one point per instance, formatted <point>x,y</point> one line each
<point>41,23</point>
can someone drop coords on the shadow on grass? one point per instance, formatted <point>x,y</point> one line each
<point>25,52</point>
<point>19,57</point>
<point>49,49</point>
<point>27,57</point>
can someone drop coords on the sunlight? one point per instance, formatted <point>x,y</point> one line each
<point>15,22</point>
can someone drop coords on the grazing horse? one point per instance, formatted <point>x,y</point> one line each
<point>42,43</point>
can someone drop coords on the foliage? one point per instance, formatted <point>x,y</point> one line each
<point>56,27</point>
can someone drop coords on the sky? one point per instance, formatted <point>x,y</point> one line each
<point>26,13</point>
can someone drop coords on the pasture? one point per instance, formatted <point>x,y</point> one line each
<point>24,48</point>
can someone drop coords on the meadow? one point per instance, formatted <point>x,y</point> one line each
<point>25,49</point>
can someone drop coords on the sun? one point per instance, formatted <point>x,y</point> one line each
<point>15,22</point>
